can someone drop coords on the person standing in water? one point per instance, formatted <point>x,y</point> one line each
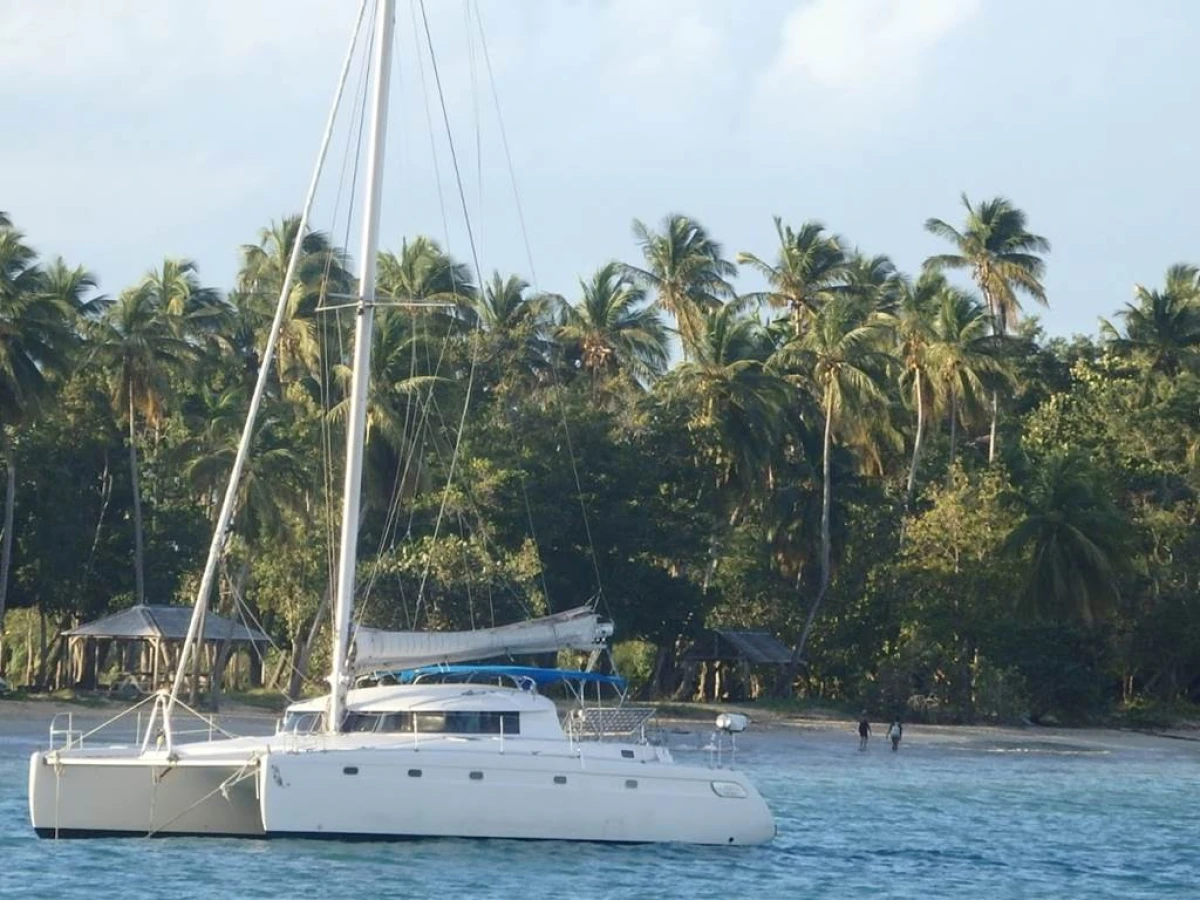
<point>864,730</point>
<point>895,733</point>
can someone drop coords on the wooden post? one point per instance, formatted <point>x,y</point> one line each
<point>218,671</point>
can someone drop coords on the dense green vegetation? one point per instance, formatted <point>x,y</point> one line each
<point>942,509</point>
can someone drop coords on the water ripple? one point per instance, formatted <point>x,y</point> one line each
<point>977,819</point>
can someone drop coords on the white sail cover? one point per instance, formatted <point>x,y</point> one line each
<point>574,629</point>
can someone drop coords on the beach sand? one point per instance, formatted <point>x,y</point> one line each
<point>31,719</point>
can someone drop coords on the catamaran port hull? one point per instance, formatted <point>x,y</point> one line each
<point>96,796</point>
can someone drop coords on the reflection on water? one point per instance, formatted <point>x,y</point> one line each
<point>975,818</point>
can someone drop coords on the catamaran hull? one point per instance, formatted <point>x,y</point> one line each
<point>399,793</point>
<point>389,794</point>
<point>81,797</point>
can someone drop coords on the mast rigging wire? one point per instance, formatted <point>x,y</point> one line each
<point>220,533</point>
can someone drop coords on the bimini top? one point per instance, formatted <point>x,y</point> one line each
<point>540,677</point>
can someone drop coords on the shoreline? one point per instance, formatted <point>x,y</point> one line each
<point>24,716</point>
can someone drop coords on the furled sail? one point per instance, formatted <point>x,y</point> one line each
<point>574,629</point>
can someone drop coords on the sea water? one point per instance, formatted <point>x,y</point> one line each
<point>989,817</point>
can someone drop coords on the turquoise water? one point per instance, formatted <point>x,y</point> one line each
<point>989,818</point>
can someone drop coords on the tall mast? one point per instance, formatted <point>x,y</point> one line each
<point>364,319</point>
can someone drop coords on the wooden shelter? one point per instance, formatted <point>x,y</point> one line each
<point>727,664</point>
<point>147,642</point>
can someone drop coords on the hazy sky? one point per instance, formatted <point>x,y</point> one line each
<point>138,129</point>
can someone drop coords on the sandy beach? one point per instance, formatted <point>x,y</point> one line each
<point>30,719</point>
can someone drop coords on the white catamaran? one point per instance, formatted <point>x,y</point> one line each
<point>446,750</point>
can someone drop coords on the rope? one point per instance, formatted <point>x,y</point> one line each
<point>479,279</point>
<point>236,778</point>
<point>326,375</point>
<point>243,610</point>
<point>534,279</point>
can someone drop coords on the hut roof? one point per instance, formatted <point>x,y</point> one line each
<point>166,622</point>
<point>758,647</point>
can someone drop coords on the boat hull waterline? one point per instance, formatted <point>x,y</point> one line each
<point>392,793</point>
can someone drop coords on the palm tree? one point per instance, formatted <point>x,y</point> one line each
<point>961,357</point>
<point>810,269</point>
<point>504,307</point>
<point>735,398</point>
<point>913,322</point>
<point>137,343</point>
<point>839,359</point>
<point>685,270</point>
<point>612,329</point>
<point>37,340</point>
<point>874,280</point>
<point>1077,540</point>
<point>512,325</point>
<point>403,367</point>
<point>275,480</point>
<point>176,290</point>
<point>1003,259</point>
<point>1164,327</point>
<point>424,273</point>
<point>320,272</point>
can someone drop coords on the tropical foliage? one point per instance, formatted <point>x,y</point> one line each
<point>817,457</point>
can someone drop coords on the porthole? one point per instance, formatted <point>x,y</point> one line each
<point>414,773</point>
<point>631,783</point>
<point>349,770</point>
<point>560,779</point>
<point>477,776</point>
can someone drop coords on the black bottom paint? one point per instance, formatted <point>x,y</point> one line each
<point>347,837</point>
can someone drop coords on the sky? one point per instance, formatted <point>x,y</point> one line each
<point>135,130</point>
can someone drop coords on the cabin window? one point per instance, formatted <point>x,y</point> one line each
<point>414,773</point>
<point>360,722</point>
<point>627,754</point>
<point>477,776</point>
<point>560,779</point>
<point>303,722</point>
<point>453,722</point>
<point>393,722</point>
<point>349,770</point>
<point>631,783</point>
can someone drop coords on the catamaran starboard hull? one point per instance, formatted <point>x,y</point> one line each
<point>401,792</point>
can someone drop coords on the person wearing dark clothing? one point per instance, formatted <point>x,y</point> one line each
<point>864,730</point>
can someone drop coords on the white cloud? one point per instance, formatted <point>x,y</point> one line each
<point>53,42</point>
<point>854,49</point>
<point>653,42</point>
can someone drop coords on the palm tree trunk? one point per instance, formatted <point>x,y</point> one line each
<point>953,429</point>
<point>997,331</point>
<point>995,416</point>
<point>138,573</point>
<point>300,663</point>
<point>912,469</point>
<point>10,496</point>
<point>826,552</point>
